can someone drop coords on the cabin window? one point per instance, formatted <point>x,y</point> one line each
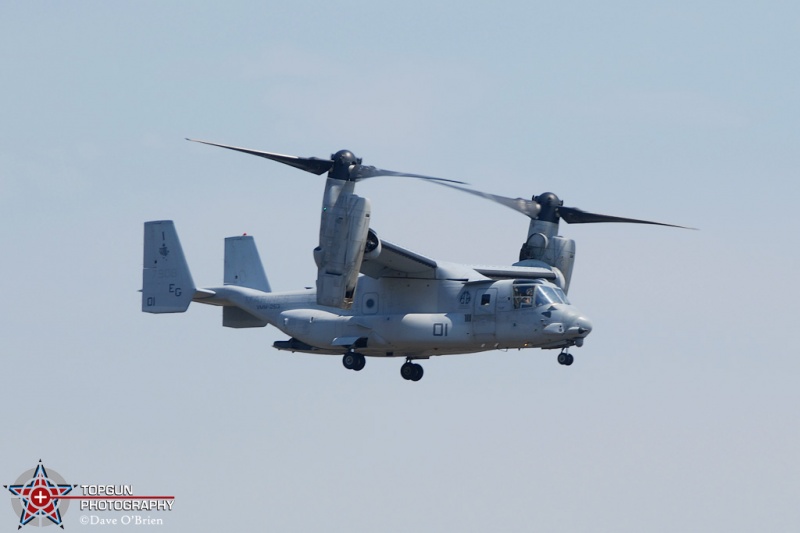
<point>486,299</point>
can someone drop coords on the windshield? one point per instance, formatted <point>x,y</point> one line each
<point>549,295</point>
<point>529,295</point>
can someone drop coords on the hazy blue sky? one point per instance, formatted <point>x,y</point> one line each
<point>681,410</point>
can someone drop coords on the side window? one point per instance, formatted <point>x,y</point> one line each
<point>486,299</point>
<point>523,296</point>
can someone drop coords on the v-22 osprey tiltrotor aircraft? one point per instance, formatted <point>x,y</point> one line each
<point>374,298</point>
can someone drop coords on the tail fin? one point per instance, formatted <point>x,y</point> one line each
<point>243,265</point>
<point>243,268</point>
<point>167,282</point>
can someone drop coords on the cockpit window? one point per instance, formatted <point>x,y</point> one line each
<point>523,296</point>
<point>545,296</point>
<point>550,295</point>
<point>529,295</point>
<point>561,295</point>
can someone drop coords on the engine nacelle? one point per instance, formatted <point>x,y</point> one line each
<point>344,228</point>
<point>553,250</point>
<point>373,247</point>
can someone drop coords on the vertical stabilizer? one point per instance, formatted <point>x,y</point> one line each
<point>243,265</point>
<point>167,285</point>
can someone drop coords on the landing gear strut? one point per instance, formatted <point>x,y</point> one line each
<point>565,358</point>
<point>411,371</point>
<point>354,361</point>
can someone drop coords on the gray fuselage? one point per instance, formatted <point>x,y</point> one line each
<point>419,318</point>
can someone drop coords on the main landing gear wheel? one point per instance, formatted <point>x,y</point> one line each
<point>565,359</point>
<point>411,371</point>
<point>354,361</point>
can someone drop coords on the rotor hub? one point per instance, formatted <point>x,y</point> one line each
<point>550,203</point>
<point>343,161</point>
<point>344,157</point>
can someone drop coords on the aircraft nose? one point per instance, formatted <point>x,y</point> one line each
<point>581,327</point>
<point>584,325</point>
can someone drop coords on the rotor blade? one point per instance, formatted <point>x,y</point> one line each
<point>361,172</point>
<point>573,215</point>
<point>309,164</point>
<point>521,205</point>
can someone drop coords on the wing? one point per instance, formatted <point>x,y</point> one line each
<point>397,262</point>
<point>515,272</point>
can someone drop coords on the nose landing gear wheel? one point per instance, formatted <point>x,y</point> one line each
<point>411,371</point>
<point>565,359</point>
